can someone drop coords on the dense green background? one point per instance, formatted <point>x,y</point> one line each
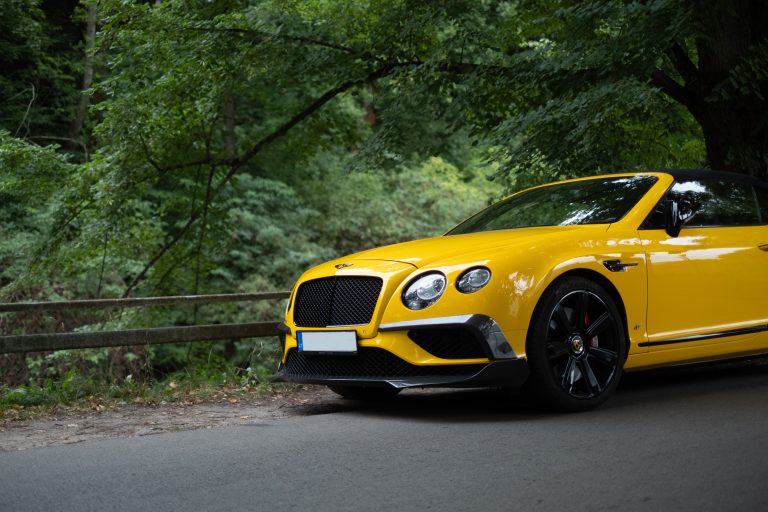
<point>224,146</point>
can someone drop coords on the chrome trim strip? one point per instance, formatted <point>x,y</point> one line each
<point>427,322</point>
<point>688,339</point>
<point>483,325</point>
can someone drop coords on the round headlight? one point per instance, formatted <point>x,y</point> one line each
<point>424,291</point>
<point>473,279</point>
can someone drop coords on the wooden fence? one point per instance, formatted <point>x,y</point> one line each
<point>148,336</point>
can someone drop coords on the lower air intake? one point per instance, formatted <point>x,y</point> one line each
<point>367,363</point>
<point>450,343</point>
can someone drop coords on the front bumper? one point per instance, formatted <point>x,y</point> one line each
<point>381,364</point>
<point>506,373</point>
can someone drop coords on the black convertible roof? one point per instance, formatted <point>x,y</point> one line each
<point>706,174</point>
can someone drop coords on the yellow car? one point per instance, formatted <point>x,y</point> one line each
<point>559,288</point>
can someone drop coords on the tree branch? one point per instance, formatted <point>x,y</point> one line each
<point>672,88</point>
<point>308,111</point>
<point>236,163</point>
<point>166,247</point>
<point>284,37</point>
<point>683,63</point>
<point>149,157</point>
<point>241,161</point>
<point>469,67</point>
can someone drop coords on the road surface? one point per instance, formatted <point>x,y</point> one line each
<point>693,439</point>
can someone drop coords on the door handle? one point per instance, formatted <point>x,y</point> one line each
<point>763,247</point>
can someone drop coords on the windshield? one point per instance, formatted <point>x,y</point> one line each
<point>596,201</point>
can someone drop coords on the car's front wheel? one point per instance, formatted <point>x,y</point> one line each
<point>576,345</point>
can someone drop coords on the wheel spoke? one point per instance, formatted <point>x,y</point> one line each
<point>582,310</point>
<point>562,321</point>
<point>556,349</point>
<point>598,325</point>
<point>603,355</point>
<point>569,375</point>
<point>592,384</point>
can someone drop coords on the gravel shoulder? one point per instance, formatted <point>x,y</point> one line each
<point>144,420</point>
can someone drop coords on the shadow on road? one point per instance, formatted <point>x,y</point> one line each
<point>686,382</point>
<point>444,405</point>
<point>638,390</point>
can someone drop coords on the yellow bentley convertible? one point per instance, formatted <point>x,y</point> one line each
<point>559,288</point>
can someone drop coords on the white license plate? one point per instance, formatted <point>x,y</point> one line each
<point>327,341</point>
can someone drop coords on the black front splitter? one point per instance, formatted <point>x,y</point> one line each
<point>504,373</point>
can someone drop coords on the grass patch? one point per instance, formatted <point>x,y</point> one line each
<point>75,393</point>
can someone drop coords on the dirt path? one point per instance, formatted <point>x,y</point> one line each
<point>142,420</point>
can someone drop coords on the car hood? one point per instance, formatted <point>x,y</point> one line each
<point>421,253</point>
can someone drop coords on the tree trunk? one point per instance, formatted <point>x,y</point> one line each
<point>230,139</point>
<point>734,120</point>
<point>726,90</point>
<point>76,127</point>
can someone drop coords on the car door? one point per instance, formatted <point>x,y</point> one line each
<point>708,286</point>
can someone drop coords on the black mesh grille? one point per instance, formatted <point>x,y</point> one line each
<point>367,363</point>
<point>336,301</point>
<point>313,303</point>
<point>450,343</point>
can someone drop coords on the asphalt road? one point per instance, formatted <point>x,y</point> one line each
<point>694,439</point>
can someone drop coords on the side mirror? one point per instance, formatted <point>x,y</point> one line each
<point>673,221</point>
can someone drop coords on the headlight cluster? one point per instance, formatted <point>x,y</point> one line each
<point>426,289</point>
<point>473,279</point>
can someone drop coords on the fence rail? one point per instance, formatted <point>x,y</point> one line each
<point>148,336</point>
<point>16,307</point>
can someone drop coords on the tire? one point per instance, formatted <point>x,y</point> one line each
<point>365,392</point>
<point>576,345</point>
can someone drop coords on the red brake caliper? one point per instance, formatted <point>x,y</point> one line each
<point>593,341</point>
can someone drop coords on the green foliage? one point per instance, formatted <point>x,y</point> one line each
<point>81,392</point>
<point>365,209</point>
<point>584,104</point>
<point>38,80</point>
<point>30,180</point>
<point>22,56</point>
<point>72,387</point>
<point>234,144</point>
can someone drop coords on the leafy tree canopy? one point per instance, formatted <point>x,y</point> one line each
<point>217,123</point>
<point>230,144</point>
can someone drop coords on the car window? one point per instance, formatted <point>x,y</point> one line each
<point>595,201</point>
<point>716,203</point>
<point>710,203</point>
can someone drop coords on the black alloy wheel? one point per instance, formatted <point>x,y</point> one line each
<point>576,345</point>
